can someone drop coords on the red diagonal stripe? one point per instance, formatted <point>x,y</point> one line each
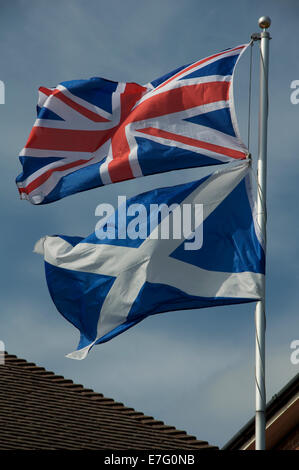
<point>192,66</point>
<point>42,178</point>
<point>46,91</point>
<point>80,109</point>
<point>194,142</point>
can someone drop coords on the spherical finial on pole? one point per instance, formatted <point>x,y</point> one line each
<point>264,22</point>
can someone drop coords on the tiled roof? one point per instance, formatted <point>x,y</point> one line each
<point>41,410</point>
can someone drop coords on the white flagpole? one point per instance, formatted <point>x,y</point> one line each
<point>260,316</point>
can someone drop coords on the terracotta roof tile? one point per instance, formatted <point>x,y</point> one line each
<point>41,410</point>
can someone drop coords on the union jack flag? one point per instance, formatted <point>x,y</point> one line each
<point>93,132</point>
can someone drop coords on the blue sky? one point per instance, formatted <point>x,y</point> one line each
<point>192,369</point>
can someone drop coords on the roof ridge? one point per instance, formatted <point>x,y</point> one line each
<point>158,425</point>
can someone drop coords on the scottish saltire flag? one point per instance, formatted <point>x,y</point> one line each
<point>105,286</point>
<point>94,132</point>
